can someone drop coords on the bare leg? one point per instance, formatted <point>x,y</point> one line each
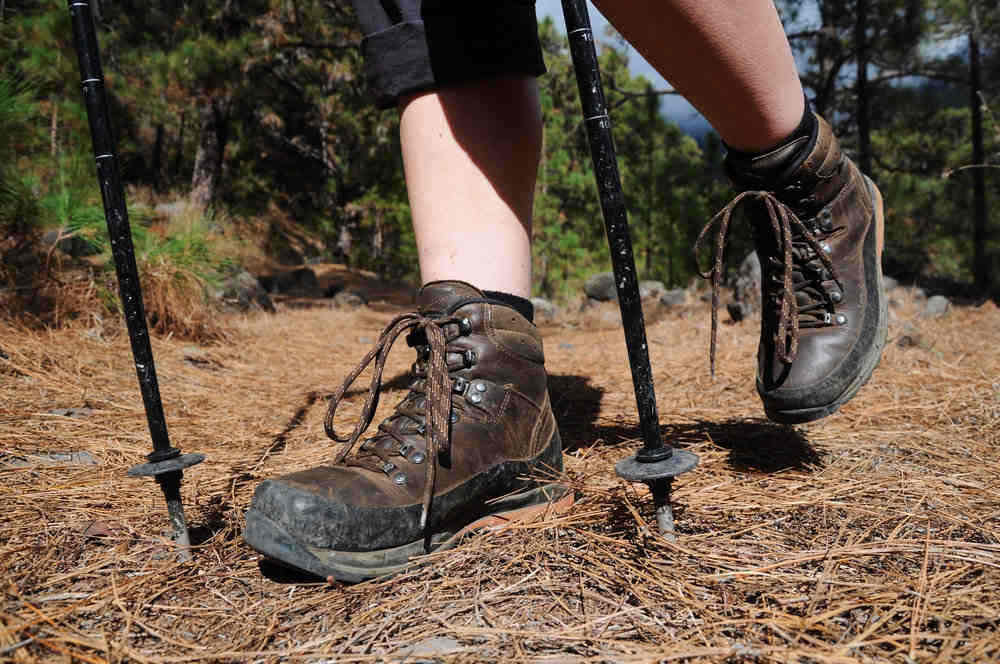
<point>729,58</point>
<point>471,154</point>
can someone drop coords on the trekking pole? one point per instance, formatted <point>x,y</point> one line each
<point>657,463</point>
<point>165,463</point>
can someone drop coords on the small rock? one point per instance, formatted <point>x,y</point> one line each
<point>301,281</point>
<point>738,311</point>
<point>674,297</point>
<point>750,268</point>
<point>436,645</point>
<point>651,290</point>
<point>71,412</point>
<point>49,459</point>
<point>601,287</point>
<point>3,355</point>
<point>98,529</point>
<point>348,300</point>
<point>908,341</point>
<point>364,340</point>
<point>746,289</point>
<point>936,306</point>
<point>245,292</point>
<point>172,209</point>
<point>888,283</point>
<point>544,310</point>
<point>69,243</point>
<point>918,293</point>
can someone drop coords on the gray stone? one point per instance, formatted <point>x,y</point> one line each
<point>888,283</point>
<point>48,459</point>
<point>544,310</point>
<point>750,267</point>
<point>918,293</point>
<point>746,289</point>
<point>938,305</point>
<point>739,310</point>
<point>348,300</point>
<point>301,281</point>
<point>71,244</point>
<point>601,287</point>
<point>71,412</point>
<point>245,292</point>
<point>652,290</point>
<point>436,645</point>
<point>675,297</point>
<point>172,209</point>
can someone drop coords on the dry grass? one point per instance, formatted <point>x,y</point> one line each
<point>871,536</point>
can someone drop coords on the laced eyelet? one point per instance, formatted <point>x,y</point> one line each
<point>836,296</point>
<point>475,397</point>
<point>388,467</point>
<point>460,385</point>
<point>418,457</point>
<point>840,319</point>
<point>465,327</point>
<point>421,429</point>
<point>404,450</point>
<point>399,479</point>
<point>454,418</point>
<point>469,358</point>
<point>826,248</point>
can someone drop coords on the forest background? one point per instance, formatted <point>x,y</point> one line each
<point>254,120</point>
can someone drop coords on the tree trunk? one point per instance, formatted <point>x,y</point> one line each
<point>54,129</point>
<point>980,266</point>
<point>157,161</point>
<point>175,168</point>
<point>863,111</point>
<point>211,146</point>
<point>651,108</point>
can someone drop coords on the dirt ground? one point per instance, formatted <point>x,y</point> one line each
<point>871,536</point>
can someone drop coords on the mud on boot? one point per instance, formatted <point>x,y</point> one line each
<point>473,444</point>
<point>817,224</point>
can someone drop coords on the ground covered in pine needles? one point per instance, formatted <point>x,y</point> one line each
<point>873,535</point>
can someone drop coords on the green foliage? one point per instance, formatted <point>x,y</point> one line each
<point>283,86</point>
<point>669,183</point>
<point>18,205</point>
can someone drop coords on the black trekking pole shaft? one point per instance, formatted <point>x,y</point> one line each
<point>609,186</point>
<point>166,463</point>
<point>657,463</point>
<point>116,214</point>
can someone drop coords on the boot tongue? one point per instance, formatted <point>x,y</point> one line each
<point>441,296</point>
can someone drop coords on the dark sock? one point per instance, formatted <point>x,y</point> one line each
<point>777,159</point>
<point>518,304</point>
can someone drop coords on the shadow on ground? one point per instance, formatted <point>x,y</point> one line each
<point>754,444</point>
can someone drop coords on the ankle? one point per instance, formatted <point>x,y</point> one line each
<point>765,168</point>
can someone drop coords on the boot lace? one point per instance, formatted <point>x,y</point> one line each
<point>428,404</point>
<point>799,270</point>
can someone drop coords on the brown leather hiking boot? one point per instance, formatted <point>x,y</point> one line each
<point>818,229</point>
<point>459,452</point>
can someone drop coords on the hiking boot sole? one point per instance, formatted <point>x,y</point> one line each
<point>269,538</point>
<point>872,358</point>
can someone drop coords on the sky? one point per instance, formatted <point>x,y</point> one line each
<point>674,107</point>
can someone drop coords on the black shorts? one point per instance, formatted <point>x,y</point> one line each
<point>416,45</point>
